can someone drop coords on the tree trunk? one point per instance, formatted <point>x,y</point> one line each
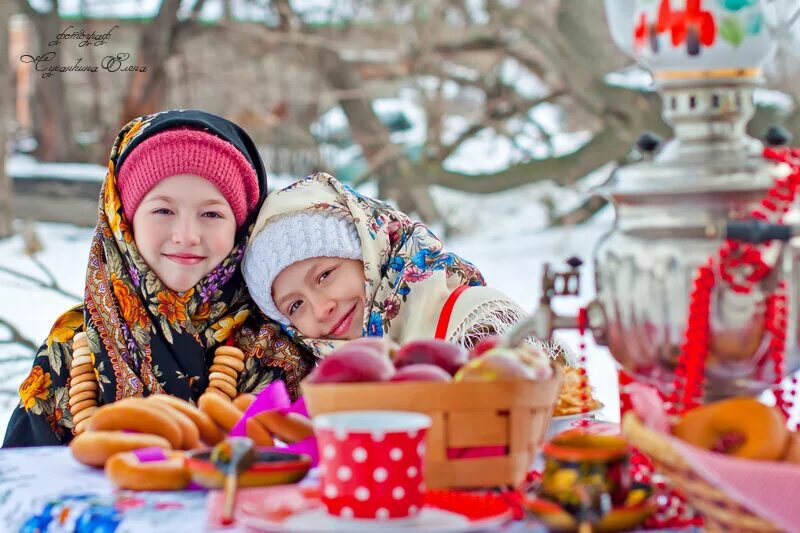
<point>50,111</point>
<point>6,108</point>
<point>147,90</point>
<point>368,132</point>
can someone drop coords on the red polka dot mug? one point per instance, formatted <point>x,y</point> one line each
<point>371,463</point>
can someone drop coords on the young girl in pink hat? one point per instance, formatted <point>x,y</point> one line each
<point>163,285</point>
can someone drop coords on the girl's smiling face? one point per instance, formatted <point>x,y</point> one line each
<point>183,228</point>
<point>323,297</point>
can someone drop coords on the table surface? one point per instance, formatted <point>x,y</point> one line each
<point>33,478</point>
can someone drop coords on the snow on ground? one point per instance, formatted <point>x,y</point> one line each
<point>509,246</point>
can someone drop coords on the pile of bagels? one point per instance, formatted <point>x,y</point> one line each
<point>109,437</point>
<point>740,427</point>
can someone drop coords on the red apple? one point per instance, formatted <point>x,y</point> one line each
<point>443,354</point>
<point>421,372</point>
<point>491,367</point>
<point>381,345</point>
<point>352,364</point>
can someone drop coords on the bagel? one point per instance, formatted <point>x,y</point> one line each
<point>793,450</point>
<point>93,448</point>
<point>81,379</point>
<point>221,376</point>
<point>244,400</point>
<point>189,432</point>
<point>81,396</point>
<point>80,337</point>
<point>224,369</point>
<point>76,371</point>
<point>224,386</point>
<point>209,432</point>
<point>289,427</point>
<point>80,406</point>
<point>741,427</point>
<point>126,471</point>
<point>83,387</point>
<point>229,361</point>
<point>231,351</point>
<point>256,431</point>
<point>219,409</point>
<point>85,414</point>
<point>137,414</point>
<point>78,360</point>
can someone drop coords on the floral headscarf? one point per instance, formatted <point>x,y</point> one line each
<point>144,337</point>
<point>408,275</point>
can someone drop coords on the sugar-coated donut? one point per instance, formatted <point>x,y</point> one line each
<point>93,448</point>
<point>126,471</point>
<point>220,409</point>
<point>137,414</point>
<point>289,427</point>
<point>742,427</point>
<point>209,432</point>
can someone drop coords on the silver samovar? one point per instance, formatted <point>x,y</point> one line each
<point>671,206</point>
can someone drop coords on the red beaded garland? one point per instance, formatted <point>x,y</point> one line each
<point>740,266</point>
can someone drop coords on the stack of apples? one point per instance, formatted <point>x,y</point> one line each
<point>374,359</point>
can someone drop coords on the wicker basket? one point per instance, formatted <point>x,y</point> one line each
<point>510,414</point>
<point>719,511</point>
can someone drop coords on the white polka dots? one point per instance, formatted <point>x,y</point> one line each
<point>413,509</point>
<point>344,473</point>
<point>380,474</point>
<point>362,494</point>
<point>412,471</point>
<point>396,454</point>
<point>346,512</point>
<point>329,452</point>
<point>359,455</point>
<point>421,449</point>
<point>341,434</point>
<point>382,513</point>
<point>398,493</point>
<point>330,491</point>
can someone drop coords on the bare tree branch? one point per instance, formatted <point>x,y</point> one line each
<point>17,336</point>
<point>53,285</point>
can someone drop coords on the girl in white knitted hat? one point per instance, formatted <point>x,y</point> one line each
<point>332,265</point>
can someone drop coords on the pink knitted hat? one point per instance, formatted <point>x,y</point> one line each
<point>186,151</point>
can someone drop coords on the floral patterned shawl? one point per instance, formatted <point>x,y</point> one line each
<point>408,274</point>
<point>144,337</point>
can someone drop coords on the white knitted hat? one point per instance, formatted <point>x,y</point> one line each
<point>287,239</point>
